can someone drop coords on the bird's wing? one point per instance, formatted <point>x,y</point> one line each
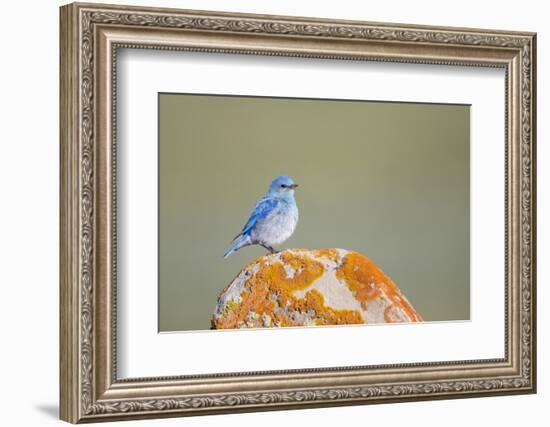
<point>263,209</point>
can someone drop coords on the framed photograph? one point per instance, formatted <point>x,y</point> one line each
<point>266,212</point>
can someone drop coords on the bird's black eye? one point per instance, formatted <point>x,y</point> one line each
<point>283,186</point>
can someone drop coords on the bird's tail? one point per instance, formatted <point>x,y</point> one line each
<point>240,242</point>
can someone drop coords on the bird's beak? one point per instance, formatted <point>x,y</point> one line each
<point>293,186</point>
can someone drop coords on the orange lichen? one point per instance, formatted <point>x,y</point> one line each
<point>272,279</point>
<point>306,271</point>
<point>314,300</point>
<point>368,283</point>
<point>268,290</point>
<point>331,254</point>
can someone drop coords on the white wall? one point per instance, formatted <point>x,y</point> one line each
<point>29,170</point>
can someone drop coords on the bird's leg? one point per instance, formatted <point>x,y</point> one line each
<point>269,248</point>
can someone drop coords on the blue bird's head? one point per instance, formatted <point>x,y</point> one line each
<point>282,186</point>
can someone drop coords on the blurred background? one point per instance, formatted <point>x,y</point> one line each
<point>390,180</point>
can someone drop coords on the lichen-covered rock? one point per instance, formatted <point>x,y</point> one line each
<point>300,287</point>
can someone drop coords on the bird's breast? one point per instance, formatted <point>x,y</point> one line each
<point>277,227</point>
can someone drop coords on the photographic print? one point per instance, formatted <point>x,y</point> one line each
<point>284,188</point>
<point>287,212</point>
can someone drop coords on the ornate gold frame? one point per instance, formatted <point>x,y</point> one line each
<point>90,36</point>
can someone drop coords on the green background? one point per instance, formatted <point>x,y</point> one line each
<point>390,180</point>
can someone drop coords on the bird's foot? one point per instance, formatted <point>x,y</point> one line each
<point>270,249</point>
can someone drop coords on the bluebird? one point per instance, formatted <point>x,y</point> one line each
<point>272,221</point>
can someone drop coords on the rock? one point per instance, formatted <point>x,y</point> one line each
<point>300,287</point>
